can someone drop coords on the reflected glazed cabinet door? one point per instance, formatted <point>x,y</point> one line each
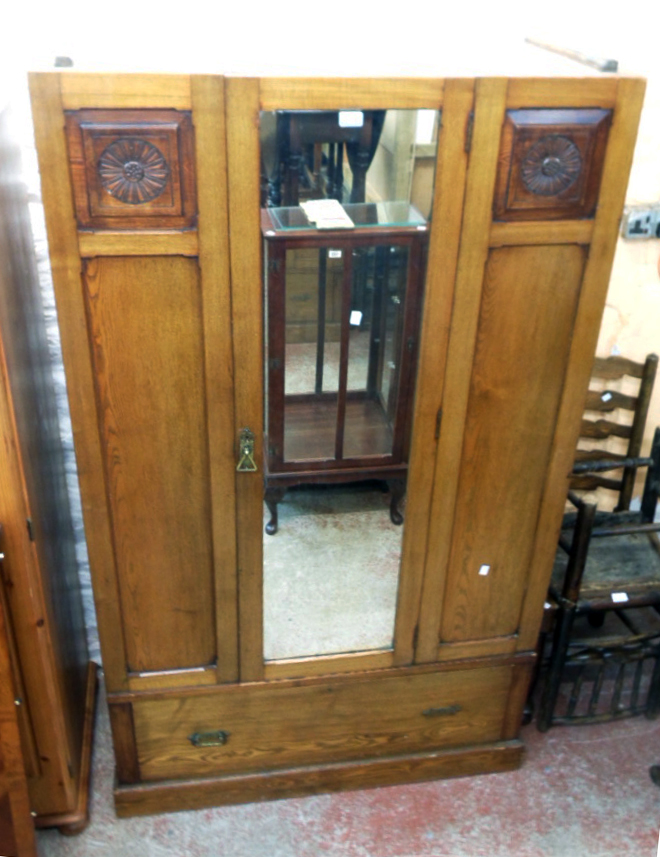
<point>153,189</point>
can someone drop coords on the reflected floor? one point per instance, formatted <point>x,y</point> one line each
<point>331,573</point>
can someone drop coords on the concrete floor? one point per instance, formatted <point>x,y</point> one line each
<point>581,792</point>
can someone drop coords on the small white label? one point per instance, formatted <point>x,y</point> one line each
<point>619,597</point>
<point>356,318</point>
<point>483,571</point>
<point>270,233</point>
<point>334,254</point>
<point>421,228</point>
<point>606,397</point>
<point>351,118</point>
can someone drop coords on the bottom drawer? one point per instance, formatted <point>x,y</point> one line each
<point>269,726</point>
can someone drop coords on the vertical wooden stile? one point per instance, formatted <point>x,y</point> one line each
<point>490,96</point>
<point>210,144</point>
<point>242,102</point>
<point>448,198</point>
<point>66,269</point>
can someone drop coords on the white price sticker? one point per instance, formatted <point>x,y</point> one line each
<point>351,118</point>
<point>619,597</point>
<point>356,318</point>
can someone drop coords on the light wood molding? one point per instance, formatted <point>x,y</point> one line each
<point>561,92</point>
<point>541,232</point>
<point>350,93</point>
<point>80,90</point>
<point>143,243</point>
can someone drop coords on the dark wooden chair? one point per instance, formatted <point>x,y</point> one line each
<point>607,570</point>
<point>589,472</point>
<point>612,569</point>
<point>303,154</point>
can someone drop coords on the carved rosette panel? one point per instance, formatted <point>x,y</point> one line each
<point>132,168</point>
<point>551,166</point>
<point>134,171</point>
<point>551,163</point>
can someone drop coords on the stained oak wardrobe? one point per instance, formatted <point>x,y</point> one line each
<point>153,188</point>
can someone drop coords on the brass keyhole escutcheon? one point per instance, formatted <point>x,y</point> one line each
<point>246,462</point>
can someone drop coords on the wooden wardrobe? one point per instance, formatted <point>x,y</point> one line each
<point>48,685</point>
<point>152,191</point>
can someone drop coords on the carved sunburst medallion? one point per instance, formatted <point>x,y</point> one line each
<point>134,171</point>
<point>551,165</point>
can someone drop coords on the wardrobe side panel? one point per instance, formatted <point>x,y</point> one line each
<point>525,325</point>
<point>146,337</point>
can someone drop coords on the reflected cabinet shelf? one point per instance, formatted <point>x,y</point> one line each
<point>221,352</point>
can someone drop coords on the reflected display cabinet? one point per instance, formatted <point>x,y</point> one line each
<point>339,406</point>
<point>345,651</point>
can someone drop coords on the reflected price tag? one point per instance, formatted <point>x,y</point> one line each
<point>351,118</point>
<point>356,318</point>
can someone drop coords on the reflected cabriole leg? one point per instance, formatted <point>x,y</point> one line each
<point>272,497</point>
<point>398,489</point>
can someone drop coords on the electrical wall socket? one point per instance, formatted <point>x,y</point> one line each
<point>642,221</point>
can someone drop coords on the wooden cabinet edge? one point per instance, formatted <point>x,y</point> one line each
<point>75,821</point>
<point>176,795</point>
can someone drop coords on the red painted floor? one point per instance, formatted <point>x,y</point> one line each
<point>583,791</point>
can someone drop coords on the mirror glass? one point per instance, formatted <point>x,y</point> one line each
<point>346,202</point>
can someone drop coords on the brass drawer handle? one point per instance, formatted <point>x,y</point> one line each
<point>442,712</point>
<point>209,739</point>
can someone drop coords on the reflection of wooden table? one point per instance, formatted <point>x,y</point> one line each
<point>334,430</point>
<point>297,131</point>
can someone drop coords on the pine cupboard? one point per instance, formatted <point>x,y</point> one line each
<point>152,187</point>
<point>47,684</point>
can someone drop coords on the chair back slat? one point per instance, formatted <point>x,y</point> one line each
<point>591,482</point>
<point>605,402</point>
<point>598,455</point>
<point>612,368</point>
<point>609,400</point>
<point>601,429</point>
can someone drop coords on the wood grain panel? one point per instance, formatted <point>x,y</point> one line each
<point>516,386</point>
<point>270,727</point>
<point>147,342</point>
